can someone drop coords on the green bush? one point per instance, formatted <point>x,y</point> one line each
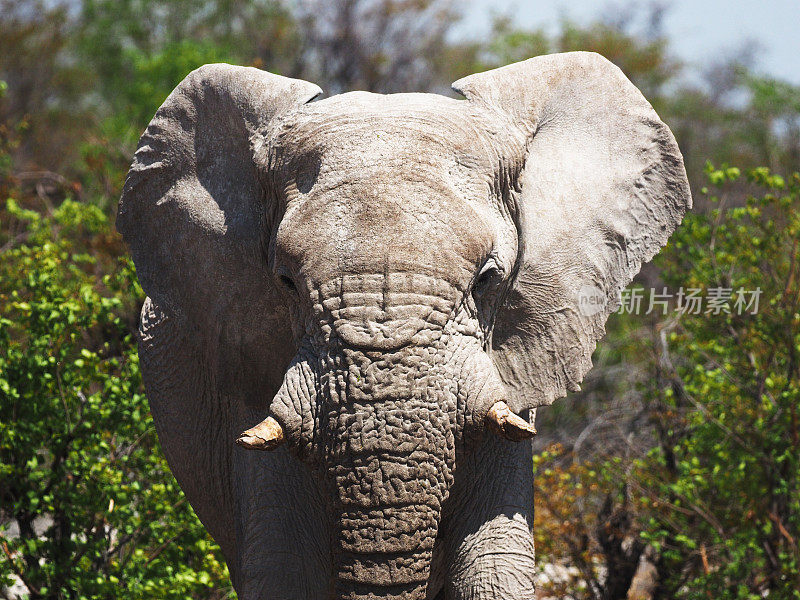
<point>727,469</point>
<point>82,477</point>
<point>699,470</point>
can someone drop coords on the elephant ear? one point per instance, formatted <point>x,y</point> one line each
<point>602,187</point>
<point>214,339</point>
<point>192,209</point>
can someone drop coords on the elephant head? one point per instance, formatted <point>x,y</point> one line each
<point>378,291</point>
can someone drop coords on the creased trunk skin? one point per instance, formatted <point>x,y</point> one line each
<point>390,484</point>
<point>389,423</point>
<point>373,403</point>
<point>386,465</point>
<point>373,568</point>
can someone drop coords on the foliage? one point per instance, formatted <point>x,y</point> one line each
<point>583,518</point>
<point>705,481</point>
<point>729,466</point>
<point>139,50</point>
<point>88,506</point>
<point>44,88</point>
<point>383,46</point>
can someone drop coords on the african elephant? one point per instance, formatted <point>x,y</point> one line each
<point>369,283</point>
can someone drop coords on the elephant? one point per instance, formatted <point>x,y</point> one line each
<point>355,305</point>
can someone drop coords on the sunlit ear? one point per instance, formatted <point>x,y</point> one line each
<point>602,188</point>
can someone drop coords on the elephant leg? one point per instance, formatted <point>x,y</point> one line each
<point>262,508</point>
<point>285,552</point>
<point>496,562</point>
<point>489,543</point>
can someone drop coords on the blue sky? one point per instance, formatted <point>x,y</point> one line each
<point>699,30</point>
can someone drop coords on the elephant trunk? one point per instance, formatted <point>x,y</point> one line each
<point>384,551</point>
<point>381,426</point>
<point>389,464</point>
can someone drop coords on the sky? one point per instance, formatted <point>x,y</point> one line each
<point>698,29</point>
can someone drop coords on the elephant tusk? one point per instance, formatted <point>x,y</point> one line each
<point>506,424</point>
<point>267,435</point>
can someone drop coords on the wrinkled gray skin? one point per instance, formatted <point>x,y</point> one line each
<point>374,273</point>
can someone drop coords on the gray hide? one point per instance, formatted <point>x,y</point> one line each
<point>383,288</point>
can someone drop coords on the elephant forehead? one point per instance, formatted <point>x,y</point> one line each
<point>430,112</point>
<point>357,135</point>
<point>384,228</point>
<point>385,183</point>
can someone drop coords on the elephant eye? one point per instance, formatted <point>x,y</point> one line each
<point>287,282</point>
<point>489,276</point>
